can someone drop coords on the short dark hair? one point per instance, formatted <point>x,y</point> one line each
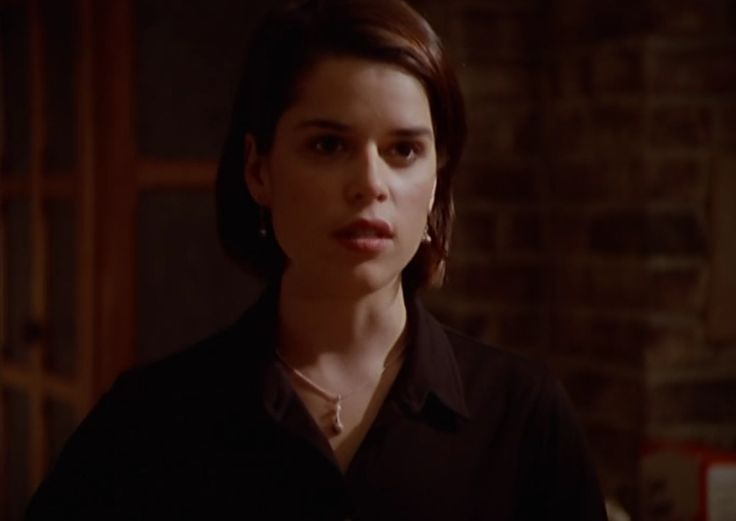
<point>284,48</point>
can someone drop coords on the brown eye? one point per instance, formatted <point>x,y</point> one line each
<point>405,151</point>
<point>327,145</point>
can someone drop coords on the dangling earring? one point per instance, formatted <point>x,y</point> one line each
<point>262,229</point>
<point>426,238</point>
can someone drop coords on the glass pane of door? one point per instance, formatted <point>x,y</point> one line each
<point>61,335</point>
<point>17,453</point>
<point>16,302</point>
<point>14,127</point>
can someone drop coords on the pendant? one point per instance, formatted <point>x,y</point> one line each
<point>337,425</point>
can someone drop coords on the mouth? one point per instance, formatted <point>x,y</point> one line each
<point>365,235</point>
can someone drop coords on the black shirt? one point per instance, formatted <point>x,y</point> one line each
<point>467,432</point>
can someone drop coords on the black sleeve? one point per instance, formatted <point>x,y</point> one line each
<point>84,482</point>
<point>563,482</point>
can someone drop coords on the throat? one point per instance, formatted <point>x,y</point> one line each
<point>339,330</point>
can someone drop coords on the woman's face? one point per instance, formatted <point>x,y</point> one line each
<point>350,177</point>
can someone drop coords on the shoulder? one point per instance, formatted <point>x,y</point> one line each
<point>493,372</point>
<point>212,362</point>
<point>522,399</point>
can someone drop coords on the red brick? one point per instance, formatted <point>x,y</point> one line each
<point>488,31</point>
<point>491,181</point>
<point>617,71</point>
<point>681,289</point>
<point>568,232</point>
<point>588,180</point>
<point>576,21</point>
<point>642,234</point>
<point>521,331</point>
<point>610,340</point>
<point>722,299</point>
<point>614,19</point>
<point>695,71</point>
<point>567,78</point>
<point>521,232</point>
<point>498,81</point>
<point>671,180</point>
<point>677,346</point>
<point>501,129</point>
<point>511,284</point>
<point>726,135</point>
<point>681,127</point>
<point>568,130</point>
<point>566,20</point>
<point>691,17</point>
<point>476,231</point>
<point>617,128</point>
<point>618,400</point>
<point>705,401</point>
<point>628,342</point>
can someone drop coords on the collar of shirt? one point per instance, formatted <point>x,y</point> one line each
<point>430,374</point>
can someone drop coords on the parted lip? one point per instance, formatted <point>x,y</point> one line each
<point>366,227</point>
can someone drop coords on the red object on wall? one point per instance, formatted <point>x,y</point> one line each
<point>687,482</point>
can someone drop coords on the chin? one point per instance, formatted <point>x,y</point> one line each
<point>362,279</point>
<point>371,282</point>
<point>334,276</point>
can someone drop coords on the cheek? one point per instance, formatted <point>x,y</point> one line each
<point>417,198</point>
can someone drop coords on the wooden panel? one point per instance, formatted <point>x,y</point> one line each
<point>22,378</point>
<point>156,173</point>
<point>115,190</point>
<point>85,254</point>
<point>38,261</point>
<point>60,186</point>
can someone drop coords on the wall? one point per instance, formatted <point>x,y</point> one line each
<point>595,221</point>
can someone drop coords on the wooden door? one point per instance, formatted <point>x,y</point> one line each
<point>85,185</point>
<point>60,292</point>
<point>46,283</point>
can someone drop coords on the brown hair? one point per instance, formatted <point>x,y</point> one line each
<point>284,48</point>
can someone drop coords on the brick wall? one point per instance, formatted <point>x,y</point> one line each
<point>585,230</point>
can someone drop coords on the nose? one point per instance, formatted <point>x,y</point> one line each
<point>367,179</point>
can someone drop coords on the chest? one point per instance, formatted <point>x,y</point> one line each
<point>402,469</point>
<point>344,421</point>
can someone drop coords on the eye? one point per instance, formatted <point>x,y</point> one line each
<point>327,145</point>
<point>406,152</point>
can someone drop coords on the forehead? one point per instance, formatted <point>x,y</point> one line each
<point>356,88</point>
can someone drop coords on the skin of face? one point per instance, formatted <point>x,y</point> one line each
<point>357,143</point>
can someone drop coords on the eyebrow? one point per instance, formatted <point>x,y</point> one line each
<point>329,124</point>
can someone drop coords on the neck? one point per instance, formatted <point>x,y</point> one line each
<point>339,331</point>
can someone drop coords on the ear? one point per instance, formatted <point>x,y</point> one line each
<point>256,173</point>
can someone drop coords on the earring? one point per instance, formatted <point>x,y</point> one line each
<point>262,229</point>
<point>426,237</point>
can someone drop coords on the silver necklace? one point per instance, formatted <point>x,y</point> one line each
<point>336,399</point>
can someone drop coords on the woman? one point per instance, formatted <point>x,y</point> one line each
<point>337,396</point>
